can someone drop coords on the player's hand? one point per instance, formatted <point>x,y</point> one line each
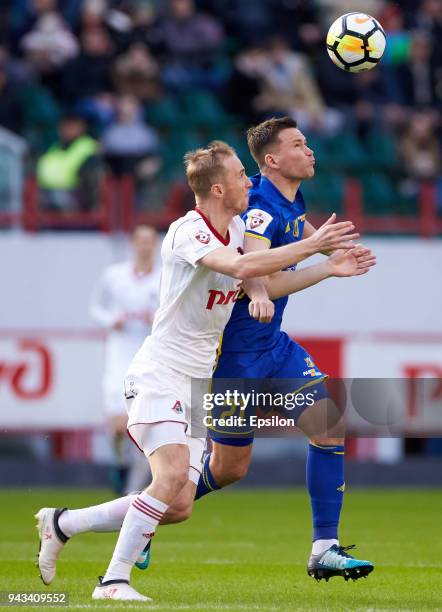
<point>352,262</point>
<point>331,236</point>
<point>262,309</point>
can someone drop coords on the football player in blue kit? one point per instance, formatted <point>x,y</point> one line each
<point>276,216</point>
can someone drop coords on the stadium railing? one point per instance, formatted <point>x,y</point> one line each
<point>119,209</point>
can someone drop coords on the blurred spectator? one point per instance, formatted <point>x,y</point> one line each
<point>136,73</point>
<point>23,15</point>
<point>337,87</point>
<point>50,44</point>
<point>93,15</point>
<point>429,20</point>
<point>191,42</point>
<point>11,114</point>
<point>96,14</point>
<point>129,144</point>
<point>421,155</point>
<point>298,21</point>
<point>245,85</point>
<point>17,69</point>
<point>290,89</point>
<point>399,40</point>
<point>146,28</point>
<point>417,79</point>
<point>26,107</point>
<point>90,73</point>
<point>332,9</point>
<point>247,21</point>
<point>420,147</point>
<point>69,172</point>
<point>378,103</point>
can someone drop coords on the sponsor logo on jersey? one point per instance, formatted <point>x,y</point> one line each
<point>312,371</point>
<point>217,298</point>
<point>203,237</point>
<point>177,408</point>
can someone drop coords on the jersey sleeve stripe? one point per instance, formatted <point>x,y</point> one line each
<point>258,236</point>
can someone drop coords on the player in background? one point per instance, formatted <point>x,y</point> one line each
<point>276,216</point>
<point>124,303</point>
<point>201,257</point>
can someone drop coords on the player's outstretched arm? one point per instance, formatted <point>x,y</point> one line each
<point>331,235</point>
<point>351,262</point>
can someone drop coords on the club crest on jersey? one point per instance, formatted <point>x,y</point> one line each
<point>177,408</point>
<point>202,237</point>
<point>258,220</point>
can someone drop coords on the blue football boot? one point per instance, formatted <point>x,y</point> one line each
<point>336,562</point>
<point>144,557</point>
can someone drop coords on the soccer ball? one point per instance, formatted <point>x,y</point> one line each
<point>356,42</point>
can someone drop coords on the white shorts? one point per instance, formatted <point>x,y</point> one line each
<point>159,395</point>
<point>150,437</point>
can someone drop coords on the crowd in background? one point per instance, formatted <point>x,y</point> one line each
<point>126,86</point>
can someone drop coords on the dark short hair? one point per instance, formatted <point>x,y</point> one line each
<point>261,137</point>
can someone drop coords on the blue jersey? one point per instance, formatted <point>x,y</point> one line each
<point>273,218</point>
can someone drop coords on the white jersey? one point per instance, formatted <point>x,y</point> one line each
<point>195,302</point>
<point>123,294</point>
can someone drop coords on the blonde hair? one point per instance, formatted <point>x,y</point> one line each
<point>204,166</point>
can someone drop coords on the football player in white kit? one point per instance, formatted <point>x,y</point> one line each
<point>124,303</point>
<point>202,270</point>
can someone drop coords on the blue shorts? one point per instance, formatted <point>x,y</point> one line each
<point>287,361</point>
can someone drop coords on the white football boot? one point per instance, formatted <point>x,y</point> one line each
<point>117,589</point>
<point>52,540</point>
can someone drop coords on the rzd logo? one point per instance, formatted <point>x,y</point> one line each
<point>221,297</point>
<point>30,377</point>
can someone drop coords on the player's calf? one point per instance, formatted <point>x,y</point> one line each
<point>170,471</point>
<point>227,463</point>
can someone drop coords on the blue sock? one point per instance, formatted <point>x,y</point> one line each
<point>206,483</point>
<point>325,484</point>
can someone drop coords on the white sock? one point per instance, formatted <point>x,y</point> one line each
<point>104,517</point>
<point>140,522</point>
<point>320,546</point>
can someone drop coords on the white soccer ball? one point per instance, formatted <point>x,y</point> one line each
<point>356,42</point>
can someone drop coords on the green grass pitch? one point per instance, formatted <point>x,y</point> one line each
<point>244,550</point>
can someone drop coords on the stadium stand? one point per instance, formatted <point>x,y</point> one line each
<point>196,70</point>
